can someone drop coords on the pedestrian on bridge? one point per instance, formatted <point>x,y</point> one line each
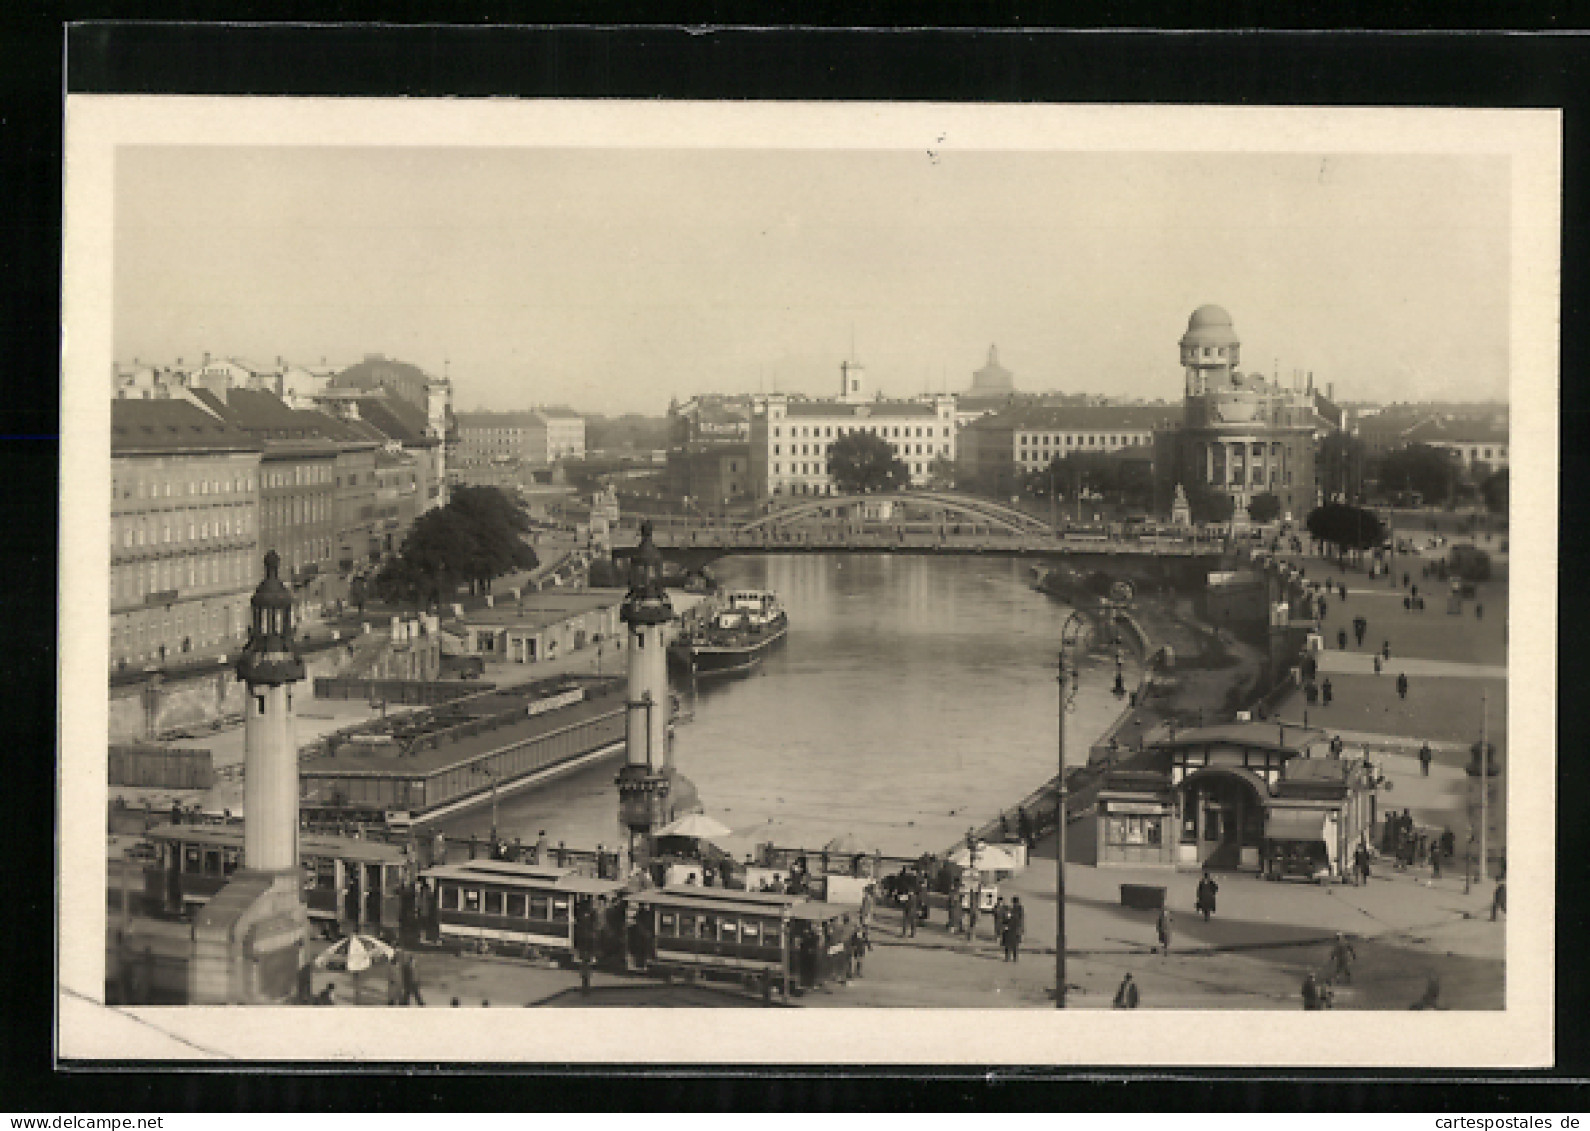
<point>1164,928</point>
<point>1402,685</point>
<point>1205,902</point>
<point>1360,626</point>
<point>1424,760</point>
<point>1126,994</point>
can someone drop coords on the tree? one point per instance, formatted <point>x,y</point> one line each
<point>476,537</point>
<point>1341,466</point>
<point>1209,505</point>
<point>861,463</point>
<point>1265,507</point>
<point>1345,527</point>
<point>1495,491</point>
<point>1421,468</point>
<point>941,473</point>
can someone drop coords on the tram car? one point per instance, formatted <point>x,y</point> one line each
<point>499,904</point>
<point>760,938</point>
<point>350,884</point>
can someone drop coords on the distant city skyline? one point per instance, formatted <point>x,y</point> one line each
<point>612,279</point>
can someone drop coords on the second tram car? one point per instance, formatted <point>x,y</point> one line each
<point>488,903</point>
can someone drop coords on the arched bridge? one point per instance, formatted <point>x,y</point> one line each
<point>919,522</point>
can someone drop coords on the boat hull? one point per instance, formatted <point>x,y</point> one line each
<point>726,659</point>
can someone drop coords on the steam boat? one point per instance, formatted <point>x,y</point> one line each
<point>735,641</point>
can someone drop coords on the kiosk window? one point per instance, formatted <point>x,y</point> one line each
<point>229,860</point>
<point>687,926</point>
<point>494,903</point>
<point>560,910</point>
<point>538,907</point>
<point>449,900</point>
<point>192,858</point>
<point>472,900</point>
<point>729,931</point>
<point>518,905</point>
<point>325,872</point>
<point>212,862</point>
<point>667,923</point>
<point>751,934</point>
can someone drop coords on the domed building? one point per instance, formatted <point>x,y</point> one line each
<point>1242,434</point>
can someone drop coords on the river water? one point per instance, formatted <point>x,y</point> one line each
<point>913,697</point>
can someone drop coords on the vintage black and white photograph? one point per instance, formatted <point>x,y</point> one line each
<point>890,559</point>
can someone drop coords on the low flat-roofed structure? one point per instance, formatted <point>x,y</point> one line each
<point>418,762</point>
<point>541,626</point>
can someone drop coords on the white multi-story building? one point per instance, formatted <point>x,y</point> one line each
<point>791,437</point>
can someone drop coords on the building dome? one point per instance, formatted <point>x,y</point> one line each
<point>1209,325</point>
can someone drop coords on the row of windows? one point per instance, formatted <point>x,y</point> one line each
<point>275,513</point>
<point>143,636</point>
<point>512,905</point>
<point>143,488</point>
<point>827,449</point>
<point>717,928</point>
<point>303,475</point>
<point>816,430</point>
<point>132,582</point>
<point>1084,440</point>
<point>163,530</point>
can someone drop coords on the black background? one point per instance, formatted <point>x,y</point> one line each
<point>996,54</point>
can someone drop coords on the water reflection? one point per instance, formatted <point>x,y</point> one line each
<point>912,697</point>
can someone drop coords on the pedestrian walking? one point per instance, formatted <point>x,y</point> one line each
<point>1402,685</point>
<point>1325,691</point>
<point>1361,862</point>
<point>1341,640</point>
<point>1342,589</point>
<point>1342,955</point>
<point>1207,889</point>
<point>912,910</point>
<point>1448,843</point>
<point>1424,760</point>
<point>1407,603</point>
<point>1015,928</point>
<point>1405,579</point>
<point>1164,929</point>
<point>1479,611</point>
<point>1377,663</point>
<point>1001,914</point>
<point>1385,650</point>
<point>973,899</point>
<point>1435,860</point>
<point>1311,993</point>
<point>1126,994</point>
<point>1499,899</point>
<point>1024,828</point>
<point>860,943</point>
<point>1360,626</point>
<point>1432,995</point>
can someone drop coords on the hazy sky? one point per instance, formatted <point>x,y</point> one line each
<point>610,279</point>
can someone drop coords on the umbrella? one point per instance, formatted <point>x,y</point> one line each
<point>990,858</point>
<point>847,845</point>
<point>697,825</point>
<point>354,953</point>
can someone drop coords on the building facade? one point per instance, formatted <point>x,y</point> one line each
<point>998,450</point>
<point>791,437</point>
<point>297,507</point>
<point>710,474</point>
<point>537,437</point>
<point>1258,797</point>
<point>1241,435</point>
<point>184,532</point>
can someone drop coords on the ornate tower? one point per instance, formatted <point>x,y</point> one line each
<point>249,939</point>
<point>852,382</point>
<point>270,666</point>
<point>643,783</point>
<point>1210,351</point>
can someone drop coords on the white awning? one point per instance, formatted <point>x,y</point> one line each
<point>1296,824</point>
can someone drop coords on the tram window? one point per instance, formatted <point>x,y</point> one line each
<point>212,862</point>
<point>449,898</point>
<point>560,910</point>
<point>192,858</point>
<point>687,926</point>
<point>667,923</point>
<point>729,931</point>
<point>518,905</point>
<point>494,903</point>
<point>325,872</point>
<point>471,899</point>
<point>538,907</point>
<point>229,860</point>
<point>751,934</point>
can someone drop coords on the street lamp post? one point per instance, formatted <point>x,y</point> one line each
<point>1067,703</point>
<point>492,776</point>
